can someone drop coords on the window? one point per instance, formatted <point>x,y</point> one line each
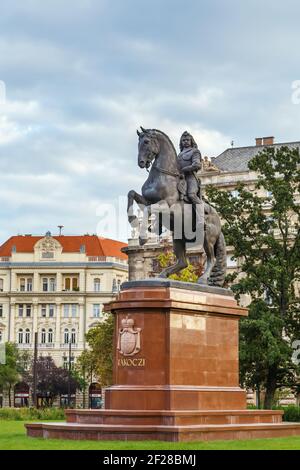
<point>51,310</point>
<point>71,283</point>
<point>22,284</point>
<point>50,336</point>
<point>73,336</point>
<point>26,284</point>
<point>1,285</point>
<point>27,336</point>
<point>44,311</point>
<point>52,284</point>
<point>45,284</point>
<point>1,310</point>
<point>20,310</point>
<point>66,310</point>
<point>114,285</point>
<point>66,362</point>
<point>66,336</point>
<point>74,310</point>
<point>29,284</point>
<point>67,283</point>
<point>43,336</point>
<point>1,336</point>
<point>20,336</point>
<point>96,310</point>
<point>97,285</point>
<point>28,310</point>
<point>119,285</point>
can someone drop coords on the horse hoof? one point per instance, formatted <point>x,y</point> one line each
<point>201,281</point>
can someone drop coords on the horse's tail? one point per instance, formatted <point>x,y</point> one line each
<point>218,273</point>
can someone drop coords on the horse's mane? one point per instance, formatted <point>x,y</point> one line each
<point>167,137</point>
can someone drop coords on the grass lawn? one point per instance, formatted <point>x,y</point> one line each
<point>12,437</point>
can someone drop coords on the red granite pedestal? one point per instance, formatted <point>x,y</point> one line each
<point>176,372</point>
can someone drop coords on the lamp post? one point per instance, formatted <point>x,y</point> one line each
<point>69,378</point>
<point>35,369</point>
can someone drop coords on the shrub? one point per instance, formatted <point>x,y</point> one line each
<point>291,413</point>
<point>30,414</point>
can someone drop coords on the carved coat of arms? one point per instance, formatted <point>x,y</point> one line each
<point>129,338</point>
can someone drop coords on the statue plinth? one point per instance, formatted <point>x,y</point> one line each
<point>175,372</point>
<point>188,355</point>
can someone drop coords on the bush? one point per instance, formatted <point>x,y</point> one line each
<point>291,413</point>
<point>30,414</point>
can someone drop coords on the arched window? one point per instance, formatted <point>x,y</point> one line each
<point>66,336</point>
<point>1,285</point>
<point>50,336</point>
<point>27,336</point>
<point>20,336</point>
<point>73,336</point>
<point>114,285</point>
<point>43,336</point>
<point>97,285</point>
<point>1,336</point>
<point>119,285</point>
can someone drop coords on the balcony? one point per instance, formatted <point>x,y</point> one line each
<point>46,345</point>
<point>66,346</point>
<point>25,346</point>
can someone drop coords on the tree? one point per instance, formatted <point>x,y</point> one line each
<point>98,360</point>
<point>262,227</point>
<point>10,372</point>
<point>52,381</point>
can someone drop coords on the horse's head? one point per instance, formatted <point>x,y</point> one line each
<point>148,147</point>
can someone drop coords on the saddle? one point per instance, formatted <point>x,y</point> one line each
<point>182,189</point>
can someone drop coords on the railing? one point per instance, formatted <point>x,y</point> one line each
<point>106,259</point>
<point>46,345</point>
<point>25,346</point>
<point>4,259</point>
<point>66,346</point>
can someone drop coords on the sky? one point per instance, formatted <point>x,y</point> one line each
<point>79,77</point>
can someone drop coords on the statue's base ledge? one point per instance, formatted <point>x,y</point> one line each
<point>164,425</point>
<point>172,397</point>
<point>169,283</point>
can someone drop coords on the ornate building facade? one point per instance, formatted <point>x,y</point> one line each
<point>56,286</point>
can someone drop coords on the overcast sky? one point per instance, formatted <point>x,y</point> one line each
<point>82,75</point>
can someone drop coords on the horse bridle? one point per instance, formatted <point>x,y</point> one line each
<point>166,172</point>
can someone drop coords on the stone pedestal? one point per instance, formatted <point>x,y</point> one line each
<point>188,356</point>
<point>176,373</point>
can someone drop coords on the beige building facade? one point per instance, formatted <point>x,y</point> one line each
<point>56,286</point>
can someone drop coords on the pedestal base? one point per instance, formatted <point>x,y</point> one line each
<point>176,373</point>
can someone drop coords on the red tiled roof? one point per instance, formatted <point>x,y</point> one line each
<point>94,246</point>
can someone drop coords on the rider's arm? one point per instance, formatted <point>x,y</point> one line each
<point>196,163</point>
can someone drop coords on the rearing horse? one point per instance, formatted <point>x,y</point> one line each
<point>161,190</point>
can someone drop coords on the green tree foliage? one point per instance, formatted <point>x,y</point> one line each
<point>263,228</point>
<point>52,380</point>
<point>10,372</point>
<point>98,359</point>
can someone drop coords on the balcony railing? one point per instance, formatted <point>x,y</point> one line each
<point>66,345</point>
<point>46,345</point>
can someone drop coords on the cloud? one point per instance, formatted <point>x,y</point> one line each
<point>82,76</point>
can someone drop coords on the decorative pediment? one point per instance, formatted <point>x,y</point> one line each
<point>48,247</point>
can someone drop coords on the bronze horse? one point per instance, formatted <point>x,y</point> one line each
<point>160,191</point>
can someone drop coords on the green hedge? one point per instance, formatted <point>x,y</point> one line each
<point>29,414</point>
<point>291,412</point>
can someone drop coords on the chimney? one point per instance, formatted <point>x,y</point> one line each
<point>268,140</point>
<point>264,141</point>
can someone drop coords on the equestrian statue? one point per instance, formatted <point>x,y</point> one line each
<point>172,192</point>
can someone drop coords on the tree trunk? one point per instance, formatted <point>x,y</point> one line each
<point>9,396</point>
<point>270,388</point>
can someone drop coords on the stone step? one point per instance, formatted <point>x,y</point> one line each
<point>172,418</point>
<point>162,433</point>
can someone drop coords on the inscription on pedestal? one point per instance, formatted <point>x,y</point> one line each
<point>131,362</point>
